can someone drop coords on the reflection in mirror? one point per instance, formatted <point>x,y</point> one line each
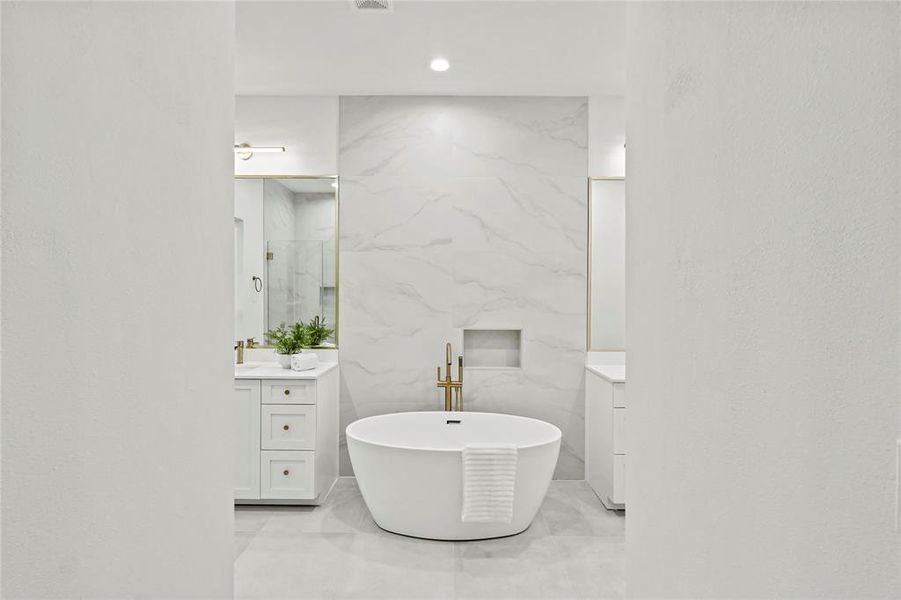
<point>285,253</point>
<point>607,264</point>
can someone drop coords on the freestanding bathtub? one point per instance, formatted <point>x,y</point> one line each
<point>409,467</point>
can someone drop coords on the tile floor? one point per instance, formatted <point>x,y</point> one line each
<point>573,550</point>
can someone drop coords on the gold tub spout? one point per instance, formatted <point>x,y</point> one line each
<point>450,386</point>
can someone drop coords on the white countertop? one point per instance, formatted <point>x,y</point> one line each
<point>273,370</point>
<point>612,373</point>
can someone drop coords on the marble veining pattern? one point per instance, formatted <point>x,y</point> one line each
<point>575,549</point>
<point>464,136</point>
<point>464,213</point>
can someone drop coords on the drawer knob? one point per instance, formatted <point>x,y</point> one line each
<point>286,428</point>
<point>285,472</point>
<point>287,392</point>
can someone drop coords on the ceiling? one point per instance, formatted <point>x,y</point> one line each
<point>329,47</point>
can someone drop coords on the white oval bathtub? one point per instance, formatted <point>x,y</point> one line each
<point>409,467</point>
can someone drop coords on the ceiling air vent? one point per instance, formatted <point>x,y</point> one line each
<point>372,5</point>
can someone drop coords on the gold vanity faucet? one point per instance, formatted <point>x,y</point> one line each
<point>450,386</point>
<point>239,346</point>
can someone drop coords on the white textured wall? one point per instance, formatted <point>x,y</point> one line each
<point>116,229</point>
<point>464,212</point>
<point>307,126</point>
<point>763,299</point>
<point>606,136</point>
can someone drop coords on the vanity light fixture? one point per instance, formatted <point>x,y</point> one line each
<point>245,151</point>
<point>439,64</point>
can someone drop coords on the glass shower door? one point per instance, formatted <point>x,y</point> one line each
<point>294,291</point>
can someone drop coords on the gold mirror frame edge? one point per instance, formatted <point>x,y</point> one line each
<point>337,179</point>
<point>588,347</point>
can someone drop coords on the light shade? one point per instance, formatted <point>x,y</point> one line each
<point>245,151</point>
<point>439,64</point>
<point>240,149</point>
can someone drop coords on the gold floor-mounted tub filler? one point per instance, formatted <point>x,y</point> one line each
<point>450,386</point>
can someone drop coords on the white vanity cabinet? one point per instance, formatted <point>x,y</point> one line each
<point>605,433</point>
<point>286,443</point>
<point>246,406</point>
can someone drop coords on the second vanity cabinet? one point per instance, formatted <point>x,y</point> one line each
<point>286,444</point>
<point>605,433</point>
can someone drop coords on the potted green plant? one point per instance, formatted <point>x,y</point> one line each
<point>288,341</point>
<point>317,333</point>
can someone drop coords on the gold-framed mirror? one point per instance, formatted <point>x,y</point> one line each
<point>286,253</point>
<point>606,264</point>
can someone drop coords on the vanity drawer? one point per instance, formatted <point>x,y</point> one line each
<point>619,430</point>
<point>289,392</point>
<point>287,474</point>
<point>619,395</point>
<point>288,427</point>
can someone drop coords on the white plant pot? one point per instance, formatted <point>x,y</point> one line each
<point>284,360</point>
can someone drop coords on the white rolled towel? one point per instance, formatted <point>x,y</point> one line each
<point>489,481</point>
<point>304,361</point>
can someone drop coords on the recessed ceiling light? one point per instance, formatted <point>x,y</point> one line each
<point>439,64</point>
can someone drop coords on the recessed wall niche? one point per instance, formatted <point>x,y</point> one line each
<point>492,348</point>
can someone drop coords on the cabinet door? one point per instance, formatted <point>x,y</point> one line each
<point>598,434</point>
<point>246,437</point>
<point>619,431</point>
<point>619,395</point>
<point>288,475</point>
<point>619,479</point>
<point>288,427</point>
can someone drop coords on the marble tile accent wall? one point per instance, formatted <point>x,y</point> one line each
<point>464,212</point>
